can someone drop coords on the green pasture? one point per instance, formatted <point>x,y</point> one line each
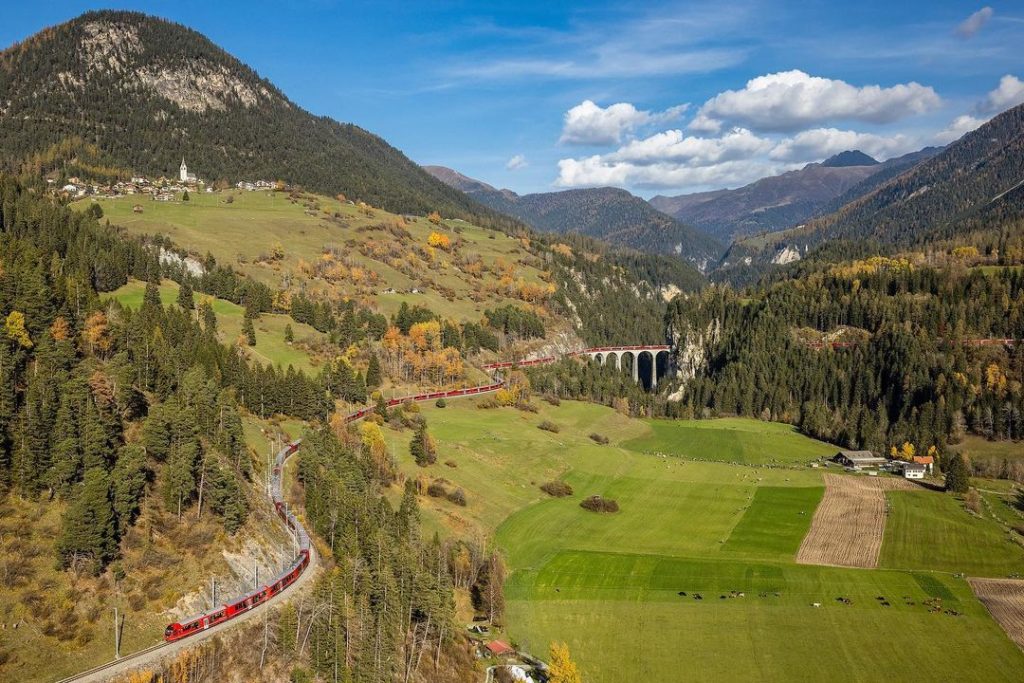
<point>610,584</point>
<point>240,233</point>
<point>738,440</point>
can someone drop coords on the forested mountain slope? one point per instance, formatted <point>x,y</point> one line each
<point>610,214</point>
<point>115,94</point>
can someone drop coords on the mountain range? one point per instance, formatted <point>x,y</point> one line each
<point>780,201</point>
<point>606,213</point>
<point>110,94</point>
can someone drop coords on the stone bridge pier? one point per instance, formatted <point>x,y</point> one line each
<point>650,357</point>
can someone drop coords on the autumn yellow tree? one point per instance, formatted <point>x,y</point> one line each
<point>96,333</point>
<point>561,668</point>
<point>439,240</point>
<point>375,448</point>
<point>904,452</point>
<point>60,330</point>
<point>14,325</point>
<point>434,217</point>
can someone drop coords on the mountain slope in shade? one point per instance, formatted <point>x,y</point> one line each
<point>771,203</point>
<point>606,213</point>
<point>853,157</point>
<point>110,94</point>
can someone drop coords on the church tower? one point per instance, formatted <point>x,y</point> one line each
<point>183,171</point>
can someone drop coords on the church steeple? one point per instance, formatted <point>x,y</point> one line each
<point>183,171</point>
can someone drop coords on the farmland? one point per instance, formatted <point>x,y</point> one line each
<point>621,588</point>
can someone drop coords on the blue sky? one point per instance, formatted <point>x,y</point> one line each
<point>655,97</point>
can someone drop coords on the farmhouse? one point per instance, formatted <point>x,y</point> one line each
<point>914,470</point>
<point>858,460</point>
<point>926,460</point>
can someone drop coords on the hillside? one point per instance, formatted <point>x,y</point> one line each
<point>144,92</point>
<point>610,214</point>
<point>770,203</point>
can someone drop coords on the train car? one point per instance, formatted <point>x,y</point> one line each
<point>192,625</point>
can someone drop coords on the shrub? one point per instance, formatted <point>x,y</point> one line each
<point>549,426</point>
<point>557,489</point>
<point>972,501</point>
<point>599,504</point>
<point>441,403</point>
<point>527,407</point>
<point>451,463</point>
<point>552,399</point>
<point>458,496</point>
<point>437,489</point>
<point>599,438</point>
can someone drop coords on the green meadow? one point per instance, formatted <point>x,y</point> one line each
<point>621,588</point>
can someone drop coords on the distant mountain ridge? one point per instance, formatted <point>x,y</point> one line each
<point>607,213</point>
<point>775,202</point>
<point>112,93</point>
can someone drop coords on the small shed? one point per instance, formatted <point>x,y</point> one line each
<point>914,470</point>
<point>858,460</point>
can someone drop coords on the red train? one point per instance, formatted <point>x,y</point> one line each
<point>186,627</point>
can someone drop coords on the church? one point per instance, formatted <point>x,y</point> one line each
<point>184,175</point>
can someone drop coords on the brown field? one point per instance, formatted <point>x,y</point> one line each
<point>1004,599</point>
<point>847,527</point>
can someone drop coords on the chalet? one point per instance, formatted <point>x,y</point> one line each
<point>914,470</point>
<point>926,460</point>
<point>858,460</point>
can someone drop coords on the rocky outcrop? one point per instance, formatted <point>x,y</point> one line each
<point>693,346</point>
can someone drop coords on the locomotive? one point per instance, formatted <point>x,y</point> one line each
<point>186,627</point>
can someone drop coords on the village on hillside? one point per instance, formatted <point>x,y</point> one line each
<point>160,189</point>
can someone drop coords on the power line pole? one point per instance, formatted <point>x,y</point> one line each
<point>213,592</point>
<point>118,623</point>
<point>255,574</point>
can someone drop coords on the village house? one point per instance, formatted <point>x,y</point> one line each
<point>926,460</point>
<point>858,460</point>
<point>913,470</point>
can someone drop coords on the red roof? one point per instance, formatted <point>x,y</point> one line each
<point>924,459</point>
<point>499,648</point>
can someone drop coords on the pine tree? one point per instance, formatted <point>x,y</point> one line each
<point>249,331</point>
<point>373,377</point>
<point>208,316</point>
<point>129,484</point>
<point>88,529</point>
<point>957,478</point>
<point>422,447</point>
<point>289,336</point>
<point>185,297</point>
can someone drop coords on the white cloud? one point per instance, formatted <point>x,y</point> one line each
<point>820,143</point>
<point>791,100</point>
<point>516,162</point>
<point>672,146</point>
<point>590,124</point>
<point>1009,93</point>
<point>960,126</point>
<point>672,159</point>
<point>974,23</point>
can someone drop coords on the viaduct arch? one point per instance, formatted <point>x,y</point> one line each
<point>646,363</point>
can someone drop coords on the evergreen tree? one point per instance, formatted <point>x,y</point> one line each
<point>373,378</point>
<point>185,297</point>
<point>129,484</point>
<point>957,478</point>
<point>88,530</point>
<point>249,331</point>
<point>422,447</point>
<point>289,336</point>
<point>208,316</point>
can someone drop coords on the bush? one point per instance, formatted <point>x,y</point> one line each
<point>527,407</point>
<point>599,438</point>
<point>549,426</point>
<point>451,463</point>
<point>488,404</point>
<point>458,496</point>
<point>437,489</point>
<point>557,489</point>
<point>552,399</point>
<point>599,504</point>
<point>972,501</point>
<point>441,403</point>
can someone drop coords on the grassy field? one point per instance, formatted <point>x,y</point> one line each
<point>242,233</point>
<point>270,344</point>
<point>738,440</point>
<point>610,585</point>
<point>979,446</point>
<point>929,531</point>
